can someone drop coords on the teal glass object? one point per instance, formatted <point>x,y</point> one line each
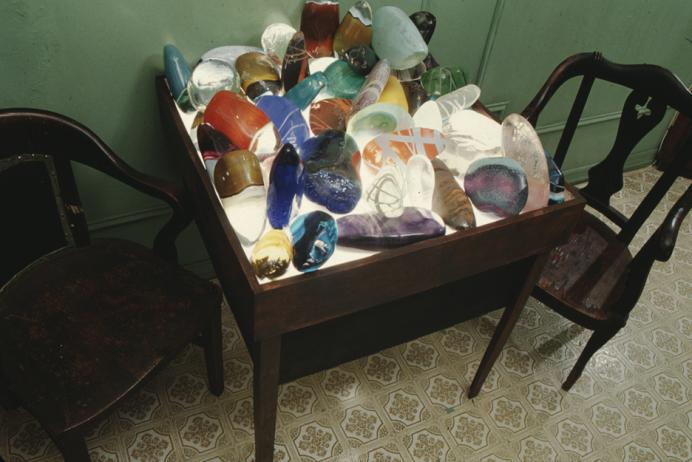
<point>395,37</point>
<point>314,237</point>
<point>306,90</point>
<point>442,80</point>
<point>342,81</point>
<point>178,71</point>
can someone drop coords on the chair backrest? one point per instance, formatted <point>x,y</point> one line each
<point>38,195</point>
<point>654,89</point>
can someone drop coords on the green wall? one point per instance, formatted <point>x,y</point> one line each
<point>96,60</point>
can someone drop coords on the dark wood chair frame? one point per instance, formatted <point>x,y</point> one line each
<point>654,89</point>
<point>30,135</point>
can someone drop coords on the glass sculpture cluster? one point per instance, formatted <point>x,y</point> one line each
<point>345,132</point>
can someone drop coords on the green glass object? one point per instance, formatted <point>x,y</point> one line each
<point>342,81</point>
<point>441,80</point>
<point>305,91</point>
<point>395,37</point>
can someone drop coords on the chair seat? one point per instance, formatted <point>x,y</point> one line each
<point>80,327</point>
<point>584,274</point>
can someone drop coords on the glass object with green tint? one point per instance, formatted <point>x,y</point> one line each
<point>441,80</point>
<point>305,91</point>
<point>342,81</point>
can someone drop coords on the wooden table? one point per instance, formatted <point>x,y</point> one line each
<point>299,325</point>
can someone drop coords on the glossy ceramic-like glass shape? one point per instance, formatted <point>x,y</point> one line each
<point>208,78</point>
<point>306,90</point>
<point>497,185</point>
<point>355,28</point>
<point>397,39</point>
<point>319,22</point>
<point>285,186</point>
<point>287,118</point>
<point>314,238</point>
<point>235,117</point>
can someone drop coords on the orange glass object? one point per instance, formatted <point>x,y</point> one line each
<point>398,147</point>
<point>234,116</point>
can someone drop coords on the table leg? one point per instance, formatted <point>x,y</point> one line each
<point>266,354</point>
<point>506,324</point>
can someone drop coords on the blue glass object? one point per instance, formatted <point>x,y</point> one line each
<point>287,119</point>
<point>342,81</point>
<point>497,185</point>
<point>331,178</point>
<point>557,181</point>
<point>178,71</point>
<point>285,186</point>
<point>305,91</point>
<point>314,238</point>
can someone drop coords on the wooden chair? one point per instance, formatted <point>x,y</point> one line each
<point>87,321</point>
<point>593,279</point>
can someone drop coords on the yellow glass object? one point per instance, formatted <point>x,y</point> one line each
<point>393,93</point>
<point>272,254</point>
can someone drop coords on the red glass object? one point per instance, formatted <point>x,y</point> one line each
<point>319,23</point>
<point>235,117</point>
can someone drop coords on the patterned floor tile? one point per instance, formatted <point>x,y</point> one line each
<point>408,403</point>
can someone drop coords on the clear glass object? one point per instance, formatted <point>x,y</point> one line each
<point>208,78</point>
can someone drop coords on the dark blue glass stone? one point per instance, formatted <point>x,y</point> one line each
<point>331,178</point>
<point>287,119</point>
<point>178,72</point>
<point>314,238</point>
<point>285,186</point>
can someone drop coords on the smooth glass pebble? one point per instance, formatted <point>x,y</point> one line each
<point>342,81</point>
<point>386,193</point>
<point>449,200</point>
<point>266,142</point>
<point>247,213</point>
<point>393,93</point>
<point>425,22</point>
<point>331,161</point>
<point>396,38</point>
<point>521,143</point>
<point>314,237</point>
<point>420,182</point>
<point>428,116</point>
<point>295,66</point>
<point>272,255</point>
<point>330,114</point>
<point>374,84</point>
<point>458,100</point>
<point>212,145</point>
<point>361,58</point>
<point>355,28</point>
<point>375,231</point>
<point>236,171</point>
<point>285,187</point>
<point>306,90</point>
<point>234,116</point>
<point>259,71</point>
<point>497,185</point>
<point>275,40</point>
<point>287,118</point>
<point>229,54</point>
<point>319,22</point>
<point>177,70</point>
<point>208,78</point>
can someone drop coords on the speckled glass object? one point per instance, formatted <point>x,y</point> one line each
<point>208,78</point>
<point>497,185</point>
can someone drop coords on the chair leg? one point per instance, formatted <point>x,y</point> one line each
<point>597,340</point>
<point>72,447</point>
<point>213,352</point>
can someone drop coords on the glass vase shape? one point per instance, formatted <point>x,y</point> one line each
<point>355,28</point>
<point>319,22</point>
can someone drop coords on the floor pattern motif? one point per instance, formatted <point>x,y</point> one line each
<point>409,403</point>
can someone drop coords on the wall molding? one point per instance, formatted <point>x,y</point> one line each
<point>114,221</point>
<point>498,109</point>
<point>584,121</point>
<point>490,41</point>
<point>636,160</point>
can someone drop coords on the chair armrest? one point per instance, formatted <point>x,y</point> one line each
<point>668,231</point>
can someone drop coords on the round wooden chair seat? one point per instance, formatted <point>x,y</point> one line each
<point>83,325</point>
<point>584,274</point>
